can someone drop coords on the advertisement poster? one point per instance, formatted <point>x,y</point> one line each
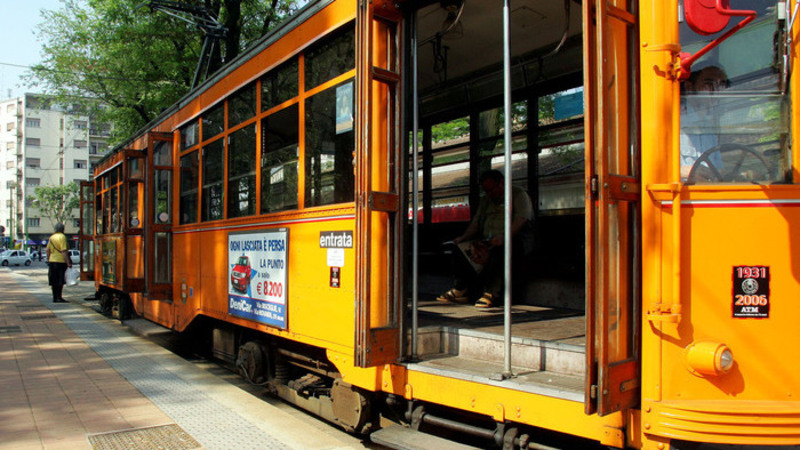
<point>257,268</point>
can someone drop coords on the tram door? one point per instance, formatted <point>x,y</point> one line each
<point>158,233</point>
<point>612,191</point>
<point>378,299</point>
<point>133,225</point>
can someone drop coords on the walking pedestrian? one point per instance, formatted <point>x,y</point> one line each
<point>58,262</point>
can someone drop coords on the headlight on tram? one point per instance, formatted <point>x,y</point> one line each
<point>707,358</point>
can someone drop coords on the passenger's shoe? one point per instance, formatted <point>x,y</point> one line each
<point>486,301</point>
<point>61,300</point>
<point>454,296</point>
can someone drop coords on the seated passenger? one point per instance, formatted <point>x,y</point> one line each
<point>481,245</point>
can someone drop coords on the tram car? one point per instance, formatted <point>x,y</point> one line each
<point>291,210</point>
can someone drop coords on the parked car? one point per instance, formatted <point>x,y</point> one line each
<point>15,258</point>
<point>75,256</point>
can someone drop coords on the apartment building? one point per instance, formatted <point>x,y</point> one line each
<point>42,144</point>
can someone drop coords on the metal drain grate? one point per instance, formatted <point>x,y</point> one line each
<point>38,316</point>
<point>11,329</point>
<point>168,437</point>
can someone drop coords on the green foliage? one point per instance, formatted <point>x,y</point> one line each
<point>56,203</point>
<point>125,66</point>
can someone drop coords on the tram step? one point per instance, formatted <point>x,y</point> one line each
<point>533,354</point>
<point>406,438</point>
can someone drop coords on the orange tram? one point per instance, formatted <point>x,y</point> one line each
<point>291,209</point>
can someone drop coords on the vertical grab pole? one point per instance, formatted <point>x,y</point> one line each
<point>507,188</point>
<point>414,194</point>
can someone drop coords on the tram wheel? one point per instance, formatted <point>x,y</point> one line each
<point>253,362</point>
<point>105,302</point>
<point>120,307</point>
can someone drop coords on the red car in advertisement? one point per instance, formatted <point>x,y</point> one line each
<point>240,274</point>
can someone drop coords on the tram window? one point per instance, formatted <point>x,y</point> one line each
<point>561,106</point>
<point>242,172</point>
<point>134,196</point>
<point>162,154</point>
<point>213,174</point>
<point>242,105</point>
<point>279,85</point>
<point>734,108</point>
<point>190,165</point>
<point>491,144</point>
<point>135,169</point>
<point>98,206</point>
<point>112,211</point>
<point>330,143</point>
<point>214,121</point>
<point>450,171</point>
<point>331,58</point>
<point>189,135</point>
<point>88,216</point>
<point>163,201</point>
<point>279,160</point>
<point>106,210</point>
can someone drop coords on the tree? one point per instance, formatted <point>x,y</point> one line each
<point>124,66</point>
<point>56,203</point>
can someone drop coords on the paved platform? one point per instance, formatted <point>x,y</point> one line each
<point>71,379</point>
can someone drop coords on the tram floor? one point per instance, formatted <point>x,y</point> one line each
<point>532,322</point>
<point>547,346</point>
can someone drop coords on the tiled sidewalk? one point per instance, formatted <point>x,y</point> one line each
<point>55,389</point>
<point>68,373</point>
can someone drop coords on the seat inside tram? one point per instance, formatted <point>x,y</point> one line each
<point>461,135</point>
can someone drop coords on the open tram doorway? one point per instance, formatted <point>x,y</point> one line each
<point>460,124</point>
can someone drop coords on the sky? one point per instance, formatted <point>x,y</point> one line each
<point>20,46</point>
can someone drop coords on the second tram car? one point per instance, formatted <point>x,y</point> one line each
<point>291,209</point>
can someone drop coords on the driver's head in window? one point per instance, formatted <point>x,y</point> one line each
<point>706,79</point>
<point>699,115</point>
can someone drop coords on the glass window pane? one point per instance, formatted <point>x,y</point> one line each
<point>491,123</point>
<point>450,171</point>
<point>242,105</point>
<point>279,85</point>
<point>99,216</point>
<point>214,121</point>
<point>213,173</point>
<point>88,217</point>
<point>734,113</point>
<point>561,106</point>
<point>112,210</point>
<point>163,196</point>
<point>449,133</point>
<point>190,135</point>
<point>329,153</point>
<point>162,154</point>
<point>136,168</point>
<point>190,167</point>
<point>332,57</point>
<point>279,160</point>
<point>87,256</point>
<point>135,191</point>
<point>242,172</point>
